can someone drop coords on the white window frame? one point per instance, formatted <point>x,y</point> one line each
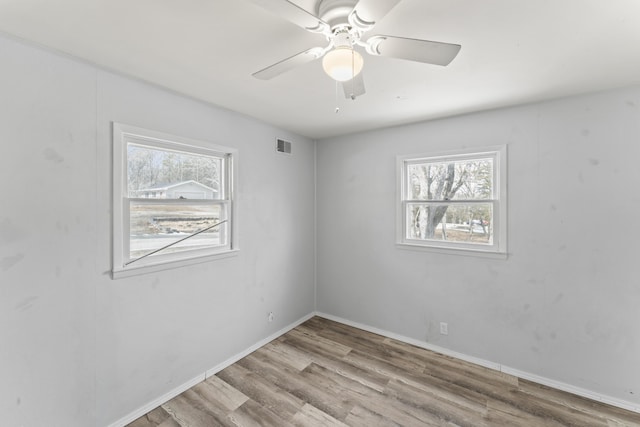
<point>498,248</point>
<point>122,136</point>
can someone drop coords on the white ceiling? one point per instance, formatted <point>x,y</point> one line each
<point>513,52</point>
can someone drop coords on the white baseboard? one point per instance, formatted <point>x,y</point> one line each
<point>157,402</point>
<point>203,376</point>
<point>235,358</point>
<point>482,362</point>
<point>620,403</point>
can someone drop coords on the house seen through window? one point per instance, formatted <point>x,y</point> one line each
<point>175,200</point>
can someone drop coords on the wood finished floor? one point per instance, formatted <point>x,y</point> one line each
<point>324,373</point>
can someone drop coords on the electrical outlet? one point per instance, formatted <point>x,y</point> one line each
<point>444,328</point>
<point>270,316</point>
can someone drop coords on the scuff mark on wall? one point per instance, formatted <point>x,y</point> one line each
<point>9,261</point>
<point>26,304</point>
<point>62,227</point>
<point>52,155</point>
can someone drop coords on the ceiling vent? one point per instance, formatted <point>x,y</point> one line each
<point>283,146</point>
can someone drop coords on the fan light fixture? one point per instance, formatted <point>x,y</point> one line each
<point>342,63</point>
<point>344,23</point>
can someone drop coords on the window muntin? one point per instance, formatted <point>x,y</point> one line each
<point>454,201</point>
<point>172,199</point>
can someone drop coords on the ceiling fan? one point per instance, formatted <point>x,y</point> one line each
<point>344,23</point>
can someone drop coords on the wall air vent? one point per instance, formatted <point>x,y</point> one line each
<point>283,146</point>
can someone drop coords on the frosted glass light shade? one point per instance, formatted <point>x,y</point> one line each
<point>342,64</point>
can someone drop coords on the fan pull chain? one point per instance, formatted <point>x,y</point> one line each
<point>336,98</point>
<point>353,74</point>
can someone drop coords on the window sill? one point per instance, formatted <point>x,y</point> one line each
<point>453,251</point>
<point>169,265</point>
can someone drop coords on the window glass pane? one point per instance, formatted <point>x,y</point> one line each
<point>450,180</point>
<point>464,223</point>
<point>154,173</point>
<point>153,226</point>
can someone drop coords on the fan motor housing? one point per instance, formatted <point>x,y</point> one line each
<point>336,12</point>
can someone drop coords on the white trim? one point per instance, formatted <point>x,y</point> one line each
<point>157,402</point>
<point>152,268</point>
<point>452,251</point>
<point>498,249</point>
<point>124,134</point>
<point>203,376</point>
<point>589,394</point>
<point>630,406</point>
<point>267,340</point>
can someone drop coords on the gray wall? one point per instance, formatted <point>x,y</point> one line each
<point>80,349</point>
<point>565,305</point>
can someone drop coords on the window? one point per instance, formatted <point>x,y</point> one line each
<point>172,199</point>
<point>453,201</point>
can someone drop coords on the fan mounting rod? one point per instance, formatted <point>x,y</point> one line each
<point>336,12</point>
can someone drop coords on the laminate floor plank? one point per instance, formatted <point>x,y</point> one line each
<point>551,411</point>
<point>439,362</point>
<point>317,344</point>
<point>189,410</point>
<point>323,373</point>
<point>363,417</point>
<point>337,383</point>
<point>310,416</point>
<point>365,400</point>
<point>427,383</point>
<point>378,349</point>
<point>437,406</point>
<point>337,364</point>
<point>500,414</point>
<point>298,386</point>
<point>287,355</point>
<point>214,388</point>
<point>252,414</point>
<point>265,393</point>
<point>156,418</point>
<point>346,337</point>
<point>405,413</point>
<point>611,414</point>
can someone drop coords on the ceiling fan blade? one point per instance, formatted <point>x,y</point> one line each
<point>367,13</point>
<point>294,14</point>
<point>354,87</point>
<point>287,64</point>
<point>426,51</point>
